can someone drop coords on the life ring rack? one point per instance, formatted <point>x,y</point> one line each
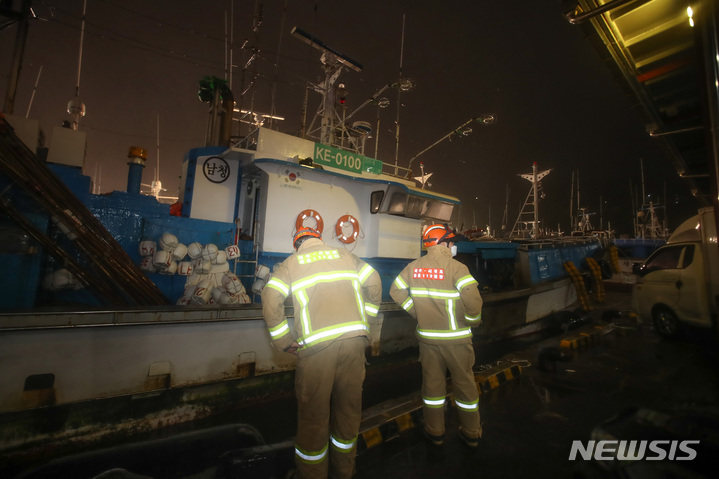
<point>347,239</point>
<point>309,213</point>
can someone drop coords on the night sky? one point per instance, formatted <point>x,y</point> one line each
<point>521,60</point>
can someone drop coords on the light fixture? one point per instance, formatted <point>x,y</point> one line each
<point>690,14</point>
<point>383,102</point>
<point>406,84</point>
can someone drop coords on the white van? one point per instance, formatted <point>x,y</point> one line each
<point>679,282</point>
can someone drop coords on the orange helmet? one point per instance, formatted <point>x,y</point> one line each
<point>303,234</point>
<point>436,234</point>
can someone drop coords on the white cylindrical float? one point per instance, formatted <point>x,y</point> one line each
<point>185,268</point>
<point>258,286</point>
<point>262,271</point>
<point>162,259</point>
<point>201,294</point>
<point>232,252</point>
<point>147,265</point>
<point>147,248</point>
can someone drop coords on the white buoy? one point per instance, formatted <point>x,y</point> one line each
<point>232,252</point>
<point>201,266</point>
<point>179,252</point>
<point>147,248</point>
<point>232,283</point>
<point>170,269</point>
<point>262,271</point>
<point>216,293</point>
<point>62,279</point>
<point>258,286</point>
<point>147,265</point>
<point>201,294</point>
<point>185,268</point>
<point>228,298</point>
<point>209,252</point>
<point>194,250</point>
<point>168,241</point>
<point>162,259</point>
<point>220,258</point>
<point>186,298</point>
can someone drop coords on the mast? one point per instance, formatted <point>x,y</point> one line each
<point>641,170</point>
<point>75,107</point>
<point>571,205</point>
<point>536,203</point>
<point>18,53</point>
<point>34,89</point>
<point>157,169</point>
<point>506,209</point>
<point>579,203</point>
<point>399,91</point>
<point>530,209</point>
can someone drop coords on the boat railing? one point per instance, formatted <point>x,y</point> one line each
<point>396,171</point>
<point>555,242</point>
<point>250,142</point>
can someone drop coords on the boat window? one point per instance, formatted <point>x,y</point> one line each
<point>439,210</point>
<point>397,203</point>
<point>401,203</point>
<point>664,258</point>
<point>375,201</point>
<point>416,206</point>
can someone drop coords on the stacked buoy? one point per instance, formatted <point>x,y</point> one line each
<point>209,279</point>
<point>614,259</point>
<point>581,289</point>
<point>262,276</point>
<point>598,280</point>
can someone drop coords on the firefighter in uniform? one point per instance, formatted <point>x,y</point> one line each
<point>333,291</point>
<point>442,295</point>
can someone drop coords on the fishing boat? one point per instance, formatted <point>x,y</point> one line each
<point>123,315</point>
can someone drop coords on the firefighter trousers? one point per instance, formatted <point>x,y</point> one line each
<point>458,359</point>
<point>328,386</point>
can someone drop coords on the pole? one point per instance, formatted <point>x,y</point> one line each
<point>571,206</point>
<point>16,66</point>
<point>536,203</point>
<point>399,91</point>
<point>32,97</point>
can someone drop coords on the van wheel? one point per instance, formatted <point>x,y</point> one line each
<point>666,322</point>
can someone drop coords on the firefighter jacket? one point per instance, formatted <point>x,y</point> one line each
<point>333,291</point>
<point>442,295</point>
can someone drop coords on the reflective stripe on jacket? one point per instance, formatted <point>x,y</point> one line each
<point>333,291</point>
<point>441,294</point>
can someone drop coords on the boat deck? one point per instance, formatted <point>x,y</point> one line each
<point>532,408</point>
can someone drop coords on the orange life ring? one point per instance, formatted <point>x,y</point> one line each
<point>355,229</point>
<point>300,223</point>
